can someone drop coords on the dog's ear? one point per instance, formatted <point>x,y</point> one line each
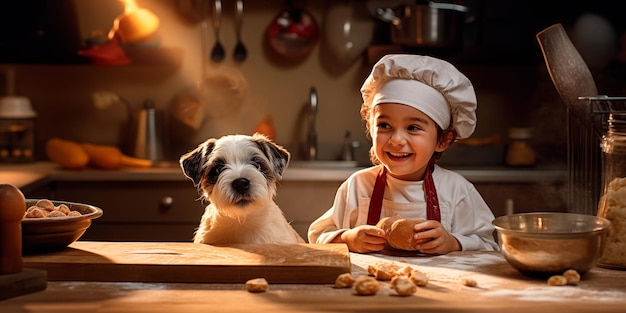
<point>193,161</point>
<point>278,156</point>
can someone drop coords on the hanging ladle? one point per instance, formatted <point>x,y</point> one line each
<point>217,53</point>
<point>240,52</point>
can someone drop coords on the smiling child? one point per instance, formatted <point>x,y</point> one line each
<point>414,107</point>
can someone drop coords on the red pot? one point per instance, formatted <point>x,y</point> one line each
<point>293,33</point>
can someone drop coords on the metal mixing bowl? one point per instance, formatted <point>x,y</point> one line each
<point>550,243</point>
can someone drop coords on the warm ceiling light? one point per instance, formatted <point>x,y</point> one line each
<point>135,24</point>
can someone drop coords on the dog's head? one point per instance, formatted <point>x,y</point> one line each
<point>236,170</point>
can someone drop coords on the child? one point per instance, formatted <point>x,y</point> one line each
<point>414,108</point>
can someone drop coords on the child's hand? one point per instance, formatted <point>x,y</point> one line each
<point>364,238</point>
<point>434,239</point>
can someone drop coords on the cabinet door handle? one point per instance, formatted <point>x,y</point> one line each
<point>166,202</point>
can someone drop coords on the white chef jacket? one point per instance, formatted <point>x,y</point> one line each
<point>464,213</point>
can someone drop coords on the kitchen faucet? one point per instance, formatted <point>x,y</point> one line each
<point>312,133</point>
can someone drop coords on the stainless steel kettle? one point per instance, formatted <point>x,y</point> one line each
<point>146,133</point>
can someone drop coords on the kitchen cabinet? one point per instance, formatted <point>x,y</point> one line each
<point>136,210</point>
<point>171,210</point>
<point>304,201</point>
<point>160,204</point>
<point>524,197</point>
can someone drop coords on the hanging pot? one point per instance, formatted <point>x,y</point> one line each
<point>293,32</point>
<point>426,24</point>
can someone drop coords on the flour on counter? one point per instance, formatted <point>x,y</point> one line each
<point>452,260</point>
<point>560,293</point>
<point>449,269</point>
<point>467,262</point>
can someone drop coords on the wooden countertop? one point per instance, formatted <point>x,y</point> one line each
<point>500,289</point>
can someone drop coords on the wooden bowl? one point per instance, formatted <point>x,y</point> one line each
<point>49,234</point>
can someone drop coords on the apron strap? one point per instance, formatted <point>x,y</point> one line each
<point>430,193</point>
<point>376,202</point>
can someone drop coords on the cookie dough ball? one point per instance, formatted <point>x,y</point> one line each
<point>45,204</point>
<point>418,278</point>
<point>371,270</point>
<point>63,208</point>
<point>557,280</point>
<point>386,222</point>
<point>572,276</point>
<point>257,285</point>
<point>35,212</point>
<point>56,213</point>
<point>385,271</point>
<point>74,213</point>
<point>400,235</point>
<point>366,286</point>
<point>344,280</point>
<point>469,282</point>
<point>403,286</point>
<point>405,271</point>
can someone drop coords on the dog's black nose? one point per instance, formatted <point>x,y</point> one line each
<point>241,185</point>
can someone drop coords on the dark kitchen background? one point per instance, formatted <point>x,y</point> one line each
<point>499,53</point>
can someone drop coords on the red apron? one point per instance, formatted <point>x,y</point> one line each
<point>430,192</point>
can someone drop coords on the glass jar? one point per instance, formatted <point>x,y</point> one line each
<point>612,204</point>
<point>520,151</point>
<point>17,130</point>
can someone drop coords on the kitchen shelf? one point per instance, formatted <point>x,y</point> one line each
<point>162,56</point>
<point>140,56</point>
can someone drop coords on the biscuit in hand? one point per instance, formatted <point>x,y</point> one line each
<point>400,232</point>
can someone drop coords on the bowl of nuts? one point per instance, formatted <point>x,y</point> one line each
<point>50,225</point>
<point>547,243</point>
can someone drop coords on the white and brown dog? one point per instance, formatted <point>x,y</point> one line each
<point>237,175</point>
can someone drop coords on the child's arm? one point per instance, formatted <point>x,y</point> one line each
<point>363,239</point>
<point>339,223</point>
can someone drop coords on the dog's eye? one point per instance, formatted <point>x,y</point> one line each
<point>257,162</point>
<point>261,165</point>
<point>215,170</point>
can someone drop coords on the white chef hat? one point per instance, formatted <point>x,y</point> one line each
<point>428,84</point>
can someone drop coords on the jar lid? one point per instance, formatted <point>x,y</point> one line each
<point>520,133</point>
<point>16,107</point>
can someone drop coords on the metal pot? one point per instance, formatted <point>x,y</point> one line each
<point>431,24</point>
<point>293,33</point>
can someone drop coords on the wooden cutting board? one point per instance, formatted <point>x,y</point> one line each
<point>183,262</point>
<point>27,281</point>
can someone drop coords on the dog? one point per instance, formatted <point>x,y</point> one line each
<point>237,175</point>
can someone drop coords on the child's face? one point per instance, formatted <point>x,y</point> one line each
<point>404,139</point>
